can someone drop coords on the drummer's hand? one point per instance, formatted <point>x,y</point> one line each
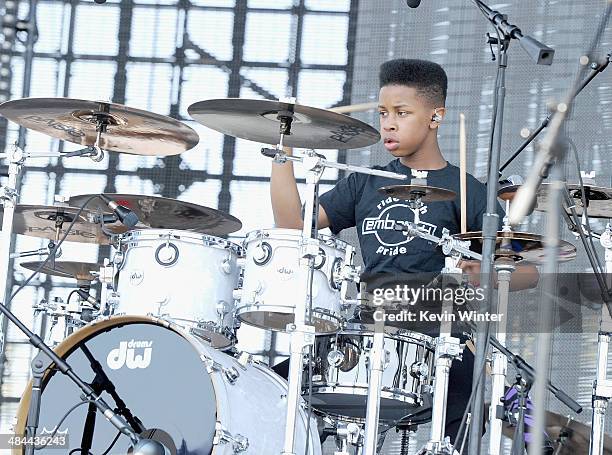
<point>472,270</point>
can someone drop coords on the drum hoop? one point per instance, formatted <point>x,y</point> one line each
<point>86,333</point>
<point>354,329</point>
<point>292,234</point>
<point>161,235</point>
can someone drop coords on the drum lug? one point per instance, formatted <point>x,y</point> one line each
<point>231,374</point>
<point>226,266</point>
<point>245,359</point>
<point>222,436</point>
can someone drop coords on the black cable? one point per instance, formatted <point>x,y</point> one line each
<point>585,205</point>
<point>80,403</point>
<point>78,449</point>
<point>53,251</point>
<point>70,296</point>
<point>112,444</point>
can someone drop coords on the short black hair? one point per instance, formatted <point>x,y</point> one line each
<point>427,78</point>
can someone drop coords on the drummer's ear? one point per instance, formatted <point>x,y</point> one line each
<point>437,117</point>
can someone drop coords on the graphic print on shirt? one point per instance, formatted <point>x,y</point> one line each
<point>392,212</point>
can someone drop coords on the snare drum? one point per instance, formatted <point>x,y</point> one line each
<point>340,373</point>
<point>178,389</point>
<point>184,276</point>
<point>271,281</point>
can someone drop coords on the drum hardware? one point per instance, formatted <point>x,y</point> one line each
<point>39,252</point>
<point>499,364</point>
<point>602,385</point>
<point>347,434</point>
<point>222,436</point>
<point>376,369</point>
<point>448,348</point>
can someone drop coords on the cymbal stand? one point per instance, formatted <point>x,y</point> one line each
<point>602,386</point>
<point>301,333</point>
<point>504,266</point>
<point>448,348</point>
<point>16,158</point>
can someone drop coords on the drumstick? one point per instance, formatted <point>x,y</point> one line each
<point>463,171</point>
<point>354,108</point>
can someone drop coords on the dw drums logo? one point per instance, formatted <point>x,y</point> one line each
<point>126,355</point>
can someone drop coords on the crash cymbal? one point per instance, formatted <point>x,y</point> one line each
<point>411,192</point>
<point>520,246</point>
<point>80,271</point>
<point>256,120</point>
<point>598,198</point>
<point>129,130</point>
<point>40,221</point>
<point>576,435</point>
<point>163,213</point>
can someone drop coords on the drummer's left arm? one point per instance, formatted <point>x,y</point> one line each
<point>526,276</point>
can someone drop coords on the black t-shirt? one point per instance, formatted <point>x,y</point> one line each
<point>355,201</point>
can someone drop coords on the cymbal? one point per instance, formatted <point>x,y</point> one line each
<point>129,130</point>
<point>40,221</point>
<point>163,213</point>
<point>80,271</point>
<point>411,192</point>
<point>520,246</point>
<point>256,120</point>
<point>578,435</point>
<point>598,198</point>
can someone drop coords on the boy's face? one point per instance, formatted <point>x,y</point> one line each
<point>406,123</point>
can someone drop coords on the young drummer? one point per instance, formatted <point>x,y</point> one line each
<point>411,108</point>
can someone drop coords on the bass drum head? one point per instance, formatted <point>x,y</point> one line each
<point>156,371</point>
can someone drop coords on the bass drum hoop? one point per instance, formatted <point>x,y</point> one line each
<point>71,343</point>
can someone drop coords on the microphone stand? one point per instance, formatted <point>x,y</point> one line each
<point>543,55</point>
<point>596,69</point>
<point>63,366</point>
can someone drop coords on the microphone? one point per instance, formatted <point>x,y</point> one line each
<point>86,297</point>
<point>148,447</point>
<point>413,3</point>
<point>125,215</point>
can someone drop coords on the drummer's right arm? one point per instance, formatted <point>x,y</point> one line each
<point>286,204</point>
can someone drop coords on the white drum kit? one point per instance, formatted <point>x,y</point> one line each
<point>159,340</point>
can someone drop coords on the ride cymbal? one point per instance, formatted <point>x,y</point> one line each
<point>128,130</point>
<point>257,120</point>
<point>598,199</point>
<point>520,246</point>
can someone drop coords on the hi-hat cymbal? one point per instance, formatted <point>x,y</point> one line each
<point>520,246</point>
<point>163,213</point>
<point>129,130</point>
<point>577,435</point>
<point>80,271</point>
<point>411,192</point>
<point>42,221</point>
<point>256,120</point>
<point>598,199</point>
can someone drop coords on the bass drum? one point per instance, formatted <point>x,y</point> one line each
<point>189,396</point>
